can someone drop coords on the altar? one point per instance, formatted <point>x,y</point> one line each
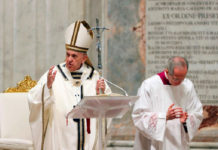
<point>15,130</point>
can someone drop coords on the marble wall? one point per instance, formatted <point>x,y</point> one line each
<point>125,44</point>
<point>139,26</point>
<point>32,35</point>
<point>32,38</point>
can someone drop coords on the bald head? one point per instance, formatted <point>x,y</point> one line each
<point>178,62</point>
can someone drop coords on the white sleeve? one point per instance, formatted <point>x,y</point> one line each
<point>35,106</point>
<point>35,94</point>
<point>149,123</point>
<point>195,114</point>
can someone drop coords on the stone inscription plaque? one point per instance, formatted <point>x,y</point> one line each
<point>186,28</point>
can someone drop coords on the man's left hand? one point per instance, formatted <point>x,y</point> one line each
<point>100,86</point>
<point>184,117</point>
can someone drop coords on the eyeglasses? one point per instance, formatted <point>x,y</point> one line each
<point>177,78</point>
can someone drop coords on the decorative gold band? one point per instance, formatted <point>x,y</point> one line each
<point>76,48</point>
<point>75,33</point>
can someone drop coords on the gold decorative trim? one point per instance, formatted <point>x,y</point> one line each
<point>75,33</point>
<point>76,48</point>
<point>23,86</point>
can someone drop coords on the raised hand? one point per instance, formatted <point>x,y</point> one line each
<point>51,77</point>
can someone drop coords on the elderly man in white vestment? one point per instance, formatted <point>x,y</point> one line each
<point>168,112</point>
<point>59,90</point>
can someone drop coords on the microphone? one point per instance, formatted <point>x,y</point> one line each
<point>116,86</point>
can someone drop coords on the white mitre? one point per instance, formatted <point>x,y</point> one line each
<point>79,37</point>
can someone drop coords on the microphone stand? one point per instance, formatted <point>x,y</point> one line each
<point>101,137</point>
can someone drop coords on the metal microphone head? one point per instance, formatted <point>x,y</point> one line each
<point>126,94</point>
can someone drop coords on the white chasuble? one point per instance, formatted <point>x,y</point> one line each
<point>149,115</point>
<point>62,134</point>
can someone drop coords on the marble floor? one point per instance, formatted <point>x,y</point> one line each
<point>127,148</point>
<point>130,148</point>
<point>128,145</point>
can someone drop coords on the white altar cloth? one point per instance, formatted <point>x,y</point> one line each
<point>15,130</point>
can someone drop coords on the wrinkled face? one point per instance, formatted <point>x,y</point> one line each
<point>178,76</point>
<point>74,60</point>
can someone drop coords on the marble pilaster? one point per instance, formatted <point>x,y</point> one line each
<point>76,10</point>
<point>56,18</point>
<point>7,43</point>
<point>24,39</point>
<point>40,42</point>
<point>1,44</point>
<point>123,51</point>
